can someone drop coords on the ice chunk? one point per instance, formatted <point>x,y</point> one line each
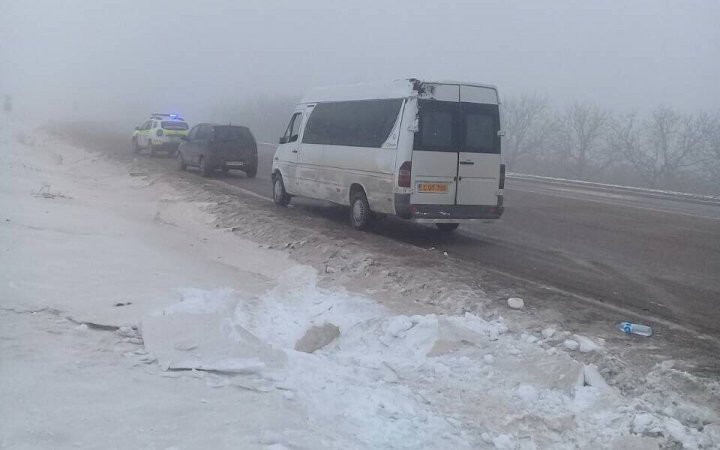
<point>398,325</point>
<point>516,303</point>
<point>504,442</point>
<point>642,422</point>
<point>527,393</point>
<point>586,345</point>
<point>593,378</point>
<point>570,344</point>
<point>548,332</point>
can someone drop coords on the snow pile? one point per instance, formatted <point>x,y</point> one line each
<point>412,381</point>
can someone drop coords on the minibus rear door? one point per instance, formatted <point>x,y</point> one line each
<point>479,147</point>
<point>435,154</point>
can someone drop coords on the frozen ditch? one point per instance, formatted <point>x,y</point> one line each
<point>396,381</point>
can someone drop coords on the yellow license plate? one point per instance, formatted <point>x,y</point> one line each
<point>435,188</point>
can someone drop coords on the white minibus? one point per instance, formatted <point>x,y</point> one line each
<point>423,151</point>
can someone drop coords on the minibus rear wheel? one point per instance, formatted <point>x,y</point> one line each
<point>360,214</point>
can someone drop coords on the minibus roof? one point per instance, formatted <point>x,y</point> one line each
<point>379,90</point>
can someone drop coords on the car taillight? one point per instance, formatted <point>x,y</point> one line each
<point>502,176</point>
<point>159,132</point>
<point>404,174</point>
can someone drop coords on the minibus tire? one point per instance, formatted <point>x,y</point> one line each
<point>447,227</point>
<point>151,148</point>
<point>280,195</point>
<point>360,214</point>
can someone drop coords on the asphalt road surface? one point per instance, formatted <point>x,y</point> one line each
<point>653,256</point>
<point>656,258</point>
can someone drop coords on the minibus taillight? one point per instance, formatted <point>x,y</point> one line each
<point>502,176</point>
<point>404,174</point>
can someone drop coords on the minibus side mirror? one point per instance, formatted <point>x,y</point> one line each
<point>501,133</point>
<point>137,128</point>
<point>293,138</point>
<point>283,140</point>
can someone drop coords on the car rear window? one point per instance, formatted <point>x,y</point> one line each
<point>174,125</point>
<point>232,133</point>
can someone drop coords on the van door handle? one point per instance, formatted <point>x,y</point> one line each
<point>467,163</point>
<point>294,151</point>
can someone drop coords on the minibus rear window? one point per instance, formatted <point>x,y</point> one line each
<point>457,127</point>
<point>479,128</point>
<point>438,126</point>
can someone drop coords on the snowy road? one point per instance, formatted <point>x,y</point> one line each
<point>142,308</point>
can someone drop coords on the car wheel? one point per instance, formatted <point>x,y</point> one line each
<point>205,169</point>
<point>251,171</point>
<point>447,227</point>
<point>136,147</point>
<point>180,161</point>
<point>360,214</point>
<point>280,195</point>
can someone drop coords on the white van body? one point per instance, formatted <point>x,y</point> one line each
<point>367,136</point>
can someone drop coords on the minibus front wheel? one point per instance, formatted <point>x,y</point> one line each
<point>280,195</point>
<point>360,214</point>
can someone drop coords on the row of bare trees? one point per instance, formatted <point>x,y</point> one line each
<point>663,149</point>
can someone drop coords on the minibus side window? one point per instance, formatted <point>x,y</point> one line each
<point>359,123</point>
<point>293,128</point>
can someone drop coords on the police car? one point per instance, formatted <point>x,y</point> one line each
<point>162,132</point>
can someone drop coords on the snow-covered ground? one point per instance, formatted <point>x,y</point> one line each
<point>131,319</point>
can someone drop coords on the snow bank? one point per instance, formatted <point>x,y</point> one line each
<point>430,381</point>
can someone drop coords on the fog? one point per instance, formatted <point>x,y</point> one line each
<point>121,59</point>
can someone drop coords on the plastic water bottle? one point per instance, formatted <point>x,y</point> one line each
<point>635,328</point>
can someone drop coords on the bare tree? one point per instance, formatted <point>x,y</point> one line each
<point>711,161</point>
<point>527,126</point>
<point>581,139</point>
<point>663,146</point>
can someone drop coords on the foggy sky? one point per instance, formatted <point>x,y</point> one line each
<point>119,58</point>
